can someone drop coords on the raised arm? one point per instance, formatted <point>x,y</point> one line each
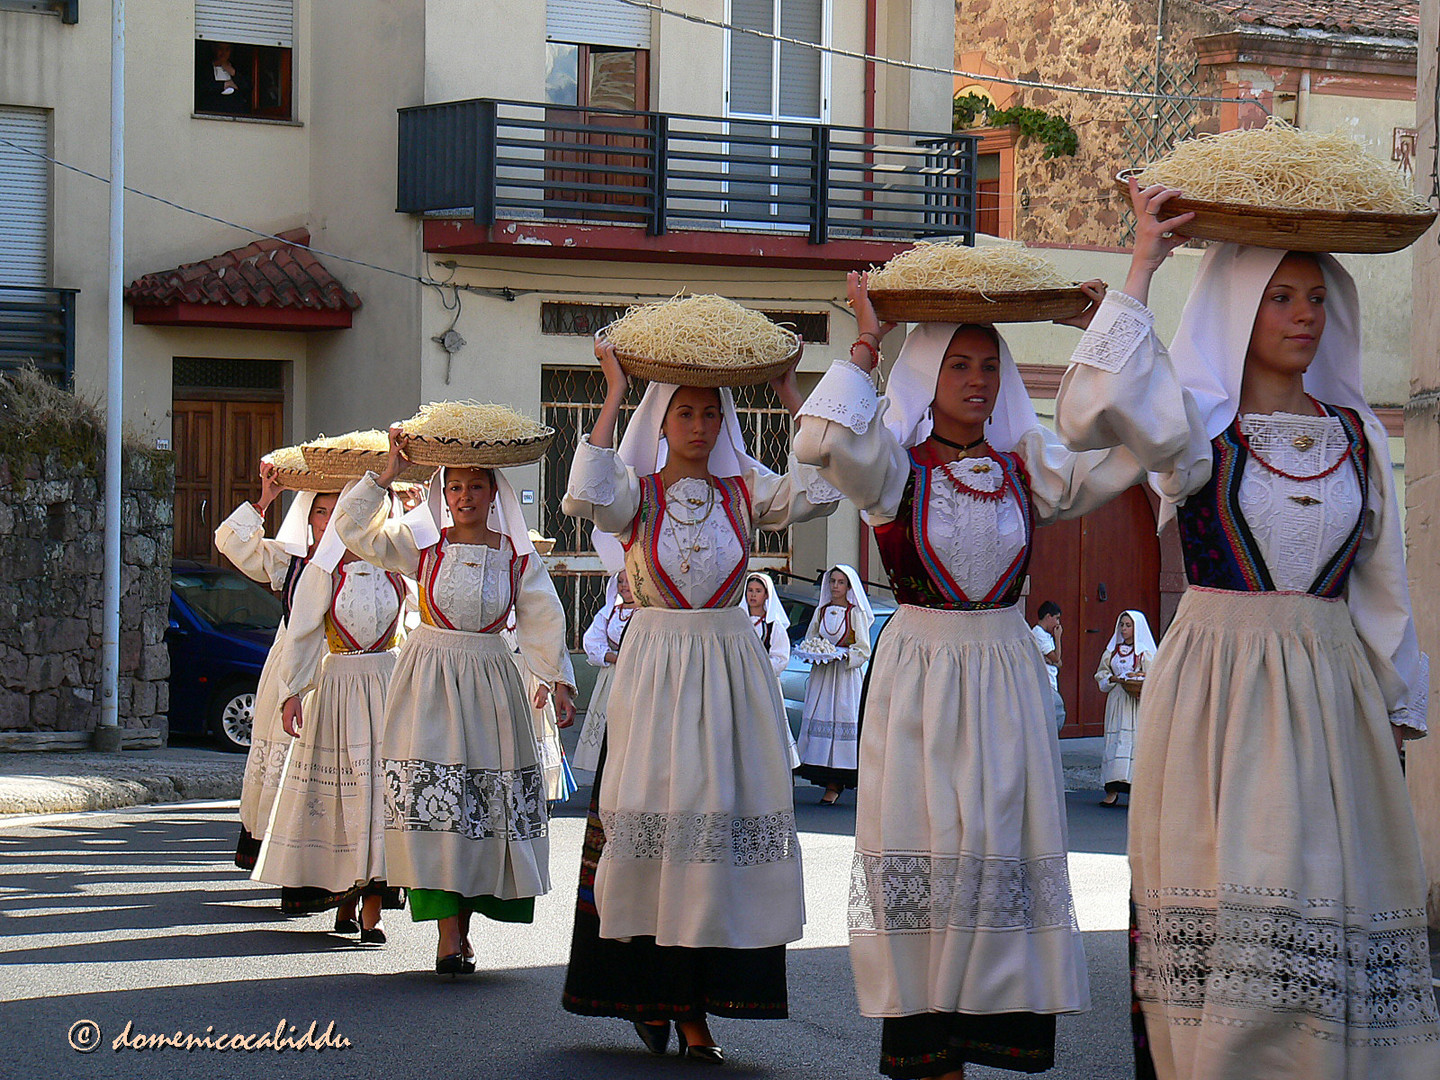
<point>241,536</point>
<point>363,520</point>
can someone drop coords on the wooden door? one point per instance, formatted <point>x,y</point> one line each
<point>218,446</point>
<point>607,79</point>
<point>1095,568</point>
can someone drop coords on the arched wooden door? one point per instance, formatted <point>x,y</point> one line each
<point>1095,568</point>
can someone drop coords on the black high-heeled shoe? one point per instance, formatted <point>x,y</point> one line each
<point>701,1055</point>
<point>346,926</point>
<point>373,936</point>
<point>656,1037</point>
<point>454,964</point>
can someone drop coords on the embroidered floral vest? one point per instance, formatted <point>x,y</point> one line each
<point>649,582</point>
<point>1221,552</point>
<point>916,574</point>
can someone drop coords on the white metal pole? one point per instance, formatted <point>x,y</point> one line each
<point>107,736</point>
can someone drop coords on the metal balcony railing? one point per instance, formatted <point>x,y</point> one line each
<point>38,326</point>
<point>493,160</point>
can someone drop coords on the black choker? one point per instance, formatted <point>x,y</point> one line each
<point>956,445</point>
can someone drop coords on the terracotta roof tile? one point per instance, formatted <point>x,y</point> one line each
<point>267,273</point>
<point>1377,18</point>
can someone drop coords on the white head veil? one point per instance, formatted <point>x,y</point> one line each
<point>1214,334</point>
<point>331,548</point>
<point>643,448</point>
<point>855,595</point>
<point>294,534</point>
<point>774,609</point>
<point>911,390</point>
<point>506,517</point>
<point>1144,639</point>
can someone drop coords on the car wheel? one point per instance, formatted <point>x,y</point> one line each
<point>232,714</point>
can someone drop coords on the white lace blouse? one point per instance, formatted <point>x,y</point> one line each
<point>604,634</point>
<point>698,546</point>
<point>472,588</point>
<point>363,602</point>
<point>1298,524</point>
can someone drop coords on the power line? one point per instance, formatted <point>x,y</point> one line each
<point>910,65</point>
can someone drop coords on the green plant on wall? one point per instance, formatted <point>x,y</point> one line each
<point>1052,129</point>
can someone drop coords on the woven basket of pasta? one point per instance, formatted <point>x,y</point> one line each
<point>476,434</point>
<point>950,281</point>
<point>1280,187</point>
<point>355,454</point>
<point>701,341</point>
<point>291,472</point>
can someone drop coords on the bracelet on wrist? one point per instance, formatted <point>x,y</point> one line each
<point>861,343</point>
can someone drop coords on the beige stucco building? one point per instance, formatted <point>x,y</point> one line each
<point>730,163</point>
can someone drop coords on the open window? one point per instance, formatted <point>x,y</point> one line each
<point>244,58</point>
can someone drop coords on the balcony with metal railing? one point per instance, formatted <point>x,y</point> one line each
<point>38,326</point>
<point>531,179</point>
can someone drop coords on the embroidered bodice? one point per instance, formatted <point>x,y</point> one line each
<point>616,624</point>
<point>690,544</point>
<point>469,587</point>
<point>365,608</point>
<point>950,547</point>
<point>1294,526</point>
<point>1125,661</point>
<point>834,624</point>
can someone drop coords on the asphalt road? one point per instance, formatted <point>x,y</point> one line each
<point>140,917</point>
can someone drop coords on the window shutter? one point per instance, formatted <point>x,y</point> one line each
<point>597,22</point>
<point>752,58</point>
<point>799,66</point>
<point>246,22</point>
<point>24,198</point>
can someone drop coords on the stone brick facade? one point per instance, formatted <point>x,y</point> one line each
<point>51,599</point>
<point>1072,200</point>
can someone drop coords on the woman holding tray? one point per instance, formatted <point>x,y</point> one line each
<point>326,841</point>
<point>1120,675</point>
<point>829,743</point>
<point>1278,885</point>
<point>276,564</point>
<point>466,828</point>
<point>690,880</point>
<point>962,929</point>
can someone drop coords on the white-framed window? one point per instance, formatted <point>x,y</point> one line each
<point>25,210</point>
<point>244,58</point>
<point>777,91</point>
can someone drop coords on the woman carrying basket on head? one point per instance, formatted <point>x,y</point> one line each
<point>466,828</point>
<point>1277,879</point>
<point>277,564</point>
<point>326,840</point>
<point>690,881</point>
<point>962,929</point>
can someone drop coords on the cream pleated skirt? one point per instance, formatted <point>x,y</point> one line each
<point>1121,716</point>
<point>696,803</point>
<point>1277,878</point>
<point>960,895</point>
<point>326,829</point>
<point>269,745</point>
<point>592,732</point>
<point>465,797</point>
<point>830,730</point>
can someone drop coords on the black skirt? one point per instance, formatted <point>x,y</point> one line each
<point>640,980</point>
<point>929,1044</point>
<point>824,776</point>
<point>307,900</point>
<point>247,850</point>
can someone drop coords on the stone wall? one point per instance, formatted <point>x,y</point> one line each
<point>51,598</point>
<point>1072,200</point>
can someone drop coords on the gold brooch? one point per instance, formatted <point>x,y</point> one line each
<point>983,466</point>
<point>1302,442</point>
<point>1305,500</point>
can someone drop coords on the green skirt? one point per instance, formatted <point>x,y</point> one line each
<point>427,905</point>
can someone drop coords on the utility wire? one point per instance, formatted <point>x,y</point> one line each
<point>910,65</point>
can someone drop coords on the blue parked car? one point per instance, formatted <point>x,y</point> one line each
<point>800,607</point>
<point>222,625</point>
